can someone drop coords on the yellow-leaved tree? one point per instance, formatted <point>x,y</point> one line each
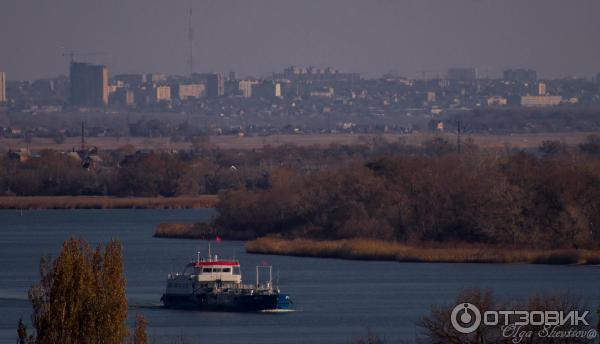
<point>80,297</point>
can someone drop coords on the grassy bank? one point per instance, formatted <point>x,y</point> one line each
<point>364,249</point>
<point>100,202</point>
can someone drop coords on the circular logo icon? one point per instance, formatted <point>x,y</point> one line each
<point>465,318</point>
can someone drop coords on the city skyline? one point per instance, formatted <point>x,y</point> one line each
<point>258,38</point>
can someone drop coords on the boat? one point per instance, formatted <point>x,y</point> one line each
<point>213,284</point>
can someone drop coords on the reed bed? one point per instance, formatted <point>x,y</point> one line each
<point>199,230</point>
<point>178,230</point>
<point>105,202</point>
<point>367,249</point>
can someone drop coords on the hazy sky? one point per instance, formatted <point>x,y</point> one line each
<point>256,37</point>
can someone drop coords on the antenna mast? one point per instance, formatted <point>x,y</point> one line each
<point>191,42</point>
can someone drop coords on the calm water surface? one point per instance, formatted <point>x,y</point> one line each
<point>336,299</point>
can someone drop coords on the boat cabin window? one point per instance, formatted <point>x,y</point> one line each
<point>235,269</point>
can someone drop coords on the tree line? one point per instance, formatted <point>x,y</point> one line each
<point>203,169</point>
<point>376,189</point>
<point>518,199</point>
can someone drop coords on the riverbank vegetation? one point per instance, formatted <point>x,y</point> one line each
<point>436,192</point>
<point>197,231</point>
<point>202,169</point>
<point>200,230</point>
<point>413,203</point>
<point>107,202</point>
<point>549,200</point>
<point>371,249</point>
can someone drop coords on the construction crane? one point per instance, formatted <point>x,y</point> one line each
<point>71,54</point>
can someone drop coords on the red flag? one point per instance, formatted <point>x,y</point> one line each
<point>218,239</point>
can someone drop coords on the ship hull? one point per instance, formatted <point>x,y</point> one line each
<point>227,302</point>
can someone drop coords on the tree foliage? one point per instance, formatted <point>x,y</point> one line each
<point>516,200</point>
<point>139,333</point>
<point>81,295</point>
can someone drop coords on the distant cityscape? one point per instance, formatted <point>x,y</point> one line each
<point>90,86</point>
<point>309,93</point>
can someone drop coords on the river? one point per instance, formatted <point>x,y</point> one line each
<point>335,299</point>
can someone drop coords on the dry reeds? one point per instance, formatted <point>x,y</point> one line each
<point>199,230</point>
<point>177,230</point>
<point>367,249</point>
<point>104,202</point>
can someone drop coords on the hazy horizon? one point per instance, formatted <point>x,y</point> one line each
<point>556,37</point>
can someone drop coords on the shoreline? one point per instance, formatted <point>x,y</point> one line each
<point>106,202</point>
<point>370,249</point>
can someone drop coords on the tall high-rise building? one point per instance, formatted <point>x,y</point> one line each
<point>2,87</point>
<point>89,85</point>
<point>215,85</point>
